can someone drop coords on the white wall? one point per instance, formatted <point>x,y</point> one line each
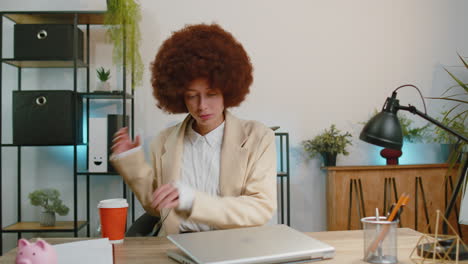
<point>316,63</point>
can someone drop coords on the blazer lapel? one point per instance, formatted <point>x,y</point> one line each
<point>171,159</point>
<point>233,157</point>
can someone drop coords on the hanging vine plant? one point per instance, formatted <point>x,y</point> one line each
<point>122,20</point>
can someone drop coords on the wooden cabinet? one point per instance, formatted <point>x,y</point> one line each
<point>345,206</point>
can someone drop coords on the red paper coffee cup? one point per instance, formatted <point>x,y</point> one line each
<point>113,214</point>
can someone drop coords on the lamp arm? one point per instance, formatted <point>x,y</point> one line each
<point>453,198</point>
<point>461,177</point>
<point>415,111</point>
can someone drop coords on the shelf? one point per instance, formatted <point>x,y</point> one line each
<point>44,63</point>
<point>20,145</point>
<point>97,173</point>
<point>281,174</point>
<point>60,226</point>
<point>56,17</point>
<point>106,95</point>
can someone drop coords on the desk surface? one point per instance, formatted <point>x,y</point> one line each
<point>150,250</point>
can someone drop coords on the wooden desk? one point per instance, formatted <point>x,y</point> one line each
<point>348,244</point>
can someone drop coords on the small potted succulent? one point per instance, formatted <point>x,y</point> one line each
<point>328,144</point>
<point>103,76</point>
<point>49,200</point>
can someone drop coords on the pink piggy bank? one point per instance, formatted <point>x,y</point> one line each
<point>35,253</point>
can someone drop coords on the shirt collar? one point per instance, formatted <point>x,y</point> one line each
<point>213,138</point>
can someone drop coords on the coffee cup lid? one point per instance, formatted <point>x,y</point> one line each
<point>113,203</point>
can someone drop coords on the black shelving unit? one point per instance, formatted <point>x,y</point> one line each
<point>107,96</point>
<point>44,63</point>
<point>283,177</point>
<point>74,18</point>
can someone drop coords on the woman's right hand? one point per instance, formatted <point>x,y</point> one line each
<point>166,196</point>
<point>122,141</point>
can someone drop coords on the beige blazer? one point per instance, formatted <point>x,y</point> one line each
<point>247,178</point>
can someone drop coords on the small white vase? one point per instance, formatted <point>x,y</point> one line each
<point>103,86</point>
<point>47,219</point>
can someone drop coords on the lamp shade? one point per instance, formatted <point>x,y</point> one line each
<point>384,130</point>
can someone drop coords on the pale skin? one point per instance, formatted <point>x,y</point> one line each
<point>206,106</point>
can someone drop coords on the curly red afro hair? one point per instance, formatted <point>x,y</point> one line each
<point>200,51</point>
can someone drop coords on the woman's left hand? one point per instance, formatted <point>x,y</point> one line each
<point>166,196</point>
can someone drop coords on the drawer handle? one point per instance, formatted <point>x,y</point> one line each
<point>42,34</point>
<point>41,100</point>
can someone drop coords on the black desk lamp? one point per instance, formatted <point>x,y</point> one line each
<point>384,130</point>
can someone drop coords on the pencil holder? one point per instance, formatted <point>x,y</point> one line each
<point>380,240</point>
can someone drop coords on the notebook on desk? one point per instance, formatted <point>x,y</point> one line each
<point>263,244</point>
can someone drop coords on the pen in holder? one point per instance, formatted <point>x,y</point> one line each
<point>380,236</point>
<point>386,249</point>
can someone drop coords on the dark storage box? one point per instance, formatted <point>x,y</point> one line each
<point>46,118</point>
<point>48,42</point>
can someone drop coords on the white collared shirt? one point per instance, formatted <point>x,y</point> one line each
<point>201,162</point>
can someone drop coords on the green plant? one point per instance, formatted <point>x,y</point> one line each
<point>102,74</point>
<point>440,135</point>
<point>456,116</point>
<point>49,200</point>
<point>122,20</point>
<point>411,133</point>
<point>330,141</point>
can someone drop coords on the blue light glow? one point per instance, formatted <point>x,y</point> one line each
<point>65,153</point>
<point>85,129</point>
<point>413,153</point>
<point>376,159</point>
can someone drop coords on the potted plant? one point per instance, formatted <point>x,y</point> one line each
<point>410,132</point>
<point>455,117</point>
<point>103,76</point>
<point>122,20</point>
<point>328,144</point>
<point>449,144</point>
<point>49,200</point>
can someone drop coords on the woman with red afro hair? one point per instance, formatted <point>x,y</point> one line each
<point>213,170</point>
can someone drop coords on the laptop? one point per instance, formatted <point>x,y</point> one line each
<point>263,244</point>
